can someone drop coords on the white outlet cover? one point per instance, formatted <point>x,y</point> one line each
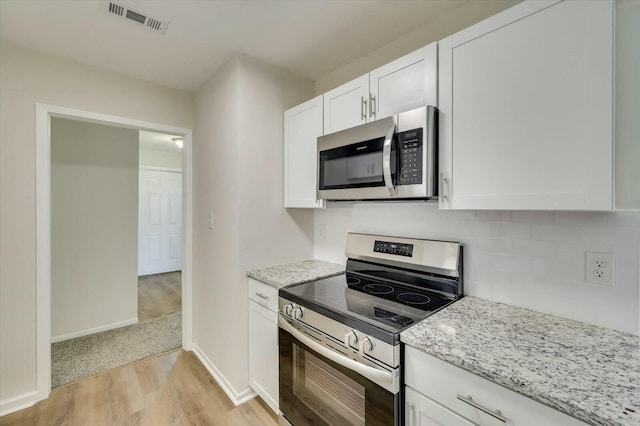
<point>599,268</point>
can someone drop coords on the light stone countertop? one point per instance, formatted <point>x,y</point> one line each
<point>295,273</point>
<point>588,372</point>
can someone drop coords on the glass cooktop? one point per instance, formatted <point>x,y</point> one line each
<point>351,298</point>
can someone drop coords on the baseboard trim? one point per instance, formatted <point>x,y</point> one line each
<point>63,337</point>
<point>236,397</point>
<point>17,403</point>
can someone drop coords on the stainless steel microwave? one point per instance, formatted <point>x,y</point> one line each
<point>390,158</point>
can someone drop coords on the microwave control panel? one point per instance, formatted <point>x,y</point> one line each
<point>410,152</point>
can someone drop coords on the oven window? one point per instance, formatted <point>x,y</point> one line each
<point>315,391</point>
<point>334,397</point>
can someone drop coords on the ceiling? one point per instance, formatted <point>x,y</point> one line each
<point>308,37</point>
<point>153,141</point>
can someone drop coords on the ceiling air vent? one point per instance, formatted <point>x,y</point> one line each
<point>126,12</point>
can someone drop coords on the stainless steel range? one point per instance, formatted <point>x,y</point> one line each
<point>339,337</point>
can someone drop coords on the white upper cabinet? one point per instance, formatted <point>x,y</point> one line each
<point>526,109</point>
<point>346,106</point>
<point>404,84</point>
<point>302,126</point>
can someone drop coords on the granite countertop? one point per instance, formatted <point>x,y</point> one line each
<point>588,372</point>
<point>295,273</point>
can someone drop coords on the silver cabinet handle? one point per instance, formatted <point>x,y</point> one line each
<point>363,108</point>
<point>412,409</point>
<point>495,414</point>
<point>386,160</point>
<point>262,296</point>
<point>444,188</point>
<point>372,105</point>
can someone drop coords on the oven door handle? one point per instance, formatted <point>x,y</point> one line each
<point>385,379</point>
<point>386,160</point>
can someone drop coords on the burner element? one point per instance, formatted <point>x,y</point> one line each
<point>353,280</point>
<point>414,298</point>
<point>378,289</point>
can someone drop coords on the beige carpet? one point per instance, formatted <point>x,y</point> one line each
<point>85,356</point>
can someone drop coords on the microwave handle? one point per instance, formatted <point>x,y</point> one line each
<point>386,160</point>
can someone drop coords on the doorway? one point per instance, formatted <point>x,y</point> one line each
<point>112,212</point>
<point>44,114</point>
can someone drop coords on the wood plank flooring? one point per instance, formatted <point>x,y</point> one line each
<point>159,295</point>
<point>170,389</point>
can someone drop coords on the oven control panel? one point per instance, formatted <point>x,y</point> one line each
<point>400,249</point>
<point>337,336</point>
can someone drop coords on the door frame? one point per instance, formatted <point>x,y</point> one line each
<point>43,114</point>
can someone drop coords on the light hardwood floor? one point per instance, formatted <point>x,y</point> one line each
<point>159,295</point>
<point>170,389</point>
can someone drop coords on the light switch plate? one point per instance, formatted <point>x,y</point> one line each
<point>599,268</point>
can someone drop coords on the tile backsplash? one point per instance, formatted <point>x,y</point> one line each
<point>530,259</point>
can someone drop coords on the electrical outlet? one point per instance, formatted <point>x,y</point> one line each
<point>210,220</point>
<point>322,234</point>
<point>599,268</point>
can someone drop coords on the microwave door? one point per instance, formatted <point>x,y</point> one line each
<point>358,163</point>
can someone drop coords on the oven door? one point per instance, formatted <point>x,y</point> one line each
<point>316,391</point>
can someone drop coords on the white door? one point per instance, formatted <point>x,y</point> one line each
<point>346,106</point>
<point>159,222</point>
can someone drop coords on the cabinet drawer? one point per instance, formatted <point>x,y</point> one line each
<point>263,294</point>
<point>443,383</point>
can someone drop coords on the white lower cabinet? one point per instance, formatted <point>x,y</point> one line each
<point>422,411</point>
<point>263,342</point>
<point>439,393</point>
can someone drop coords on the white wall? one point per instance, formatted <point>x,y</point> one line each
<point>530,259</point>
<point>627,105</point>
<point>238,163</point>
<point>160,158</point>
<point>94,225</point>
<point>27,77</point>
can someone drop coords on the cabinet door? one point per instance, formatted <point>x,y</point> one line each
<point>422,411</point>
<point>526,109</point>
<point>404,84</point>
<point>346,106</point>
<point>302,126</point>
<point>263,353</point>
<point>473,397</point>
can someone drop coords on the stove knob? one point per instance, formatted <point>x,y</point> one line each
<point>351,339</point>
<point>297,313</point>
<point>288,309</point>
<point>366,345</point>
